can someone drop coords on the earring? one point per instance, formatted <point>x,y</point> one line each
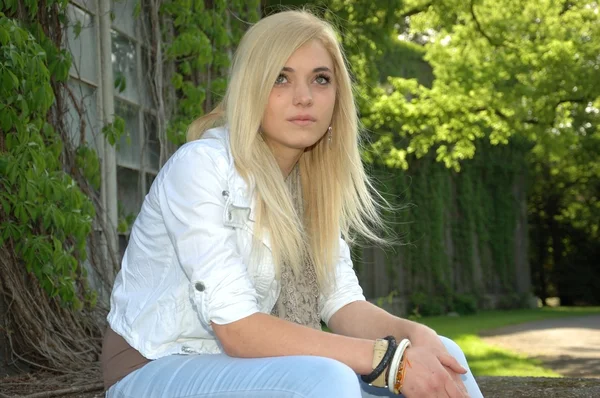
<point>329,130</point>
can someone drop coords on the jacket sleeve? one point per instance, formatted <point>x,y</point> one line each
<point>192,202</point>
<point>345,289</point>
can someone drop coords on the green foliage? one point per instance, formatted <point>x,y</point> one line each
<point>120,82</point>
<point>389,299</point>
<point>459,229</point>
<point>204,34</point>
<point>45,216</point>
<point>126,220</point>
<point>88,162</point>
<point>452,81</point>
<point>440,85</point>
<point>113,131</point>
<point>423,304</point>
<point>473,211</point>
<point>465,304</point>
<point>501,68</point>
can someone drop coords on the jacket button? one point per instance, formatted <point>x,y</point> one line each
<point>200,286</point>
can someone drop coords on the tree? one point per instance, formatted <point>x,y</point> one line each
<point>512,69</point>
<point>500,68</point>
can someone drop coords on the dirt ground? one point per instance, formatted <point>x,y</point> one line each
<point>42,384</point>
<point>570,346</point>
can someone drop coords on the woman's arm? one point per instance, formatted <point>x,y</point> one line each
<point>365,320</point>
<point>262,335</point>
<point>432,372</point>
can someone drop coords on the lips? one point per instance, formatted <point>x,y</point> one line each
<point>302,120</point>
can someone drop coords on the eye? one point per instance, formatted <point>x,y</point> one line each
<point>323,79</point>
<point>281,79</point>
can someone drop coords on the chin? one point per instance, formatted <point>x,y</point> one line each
<point>304,144</point>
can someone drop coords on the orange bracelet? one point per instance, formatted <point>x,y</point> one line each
<point>400,375</point>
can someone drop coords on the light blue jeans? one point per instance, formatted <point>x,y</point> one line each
<point>220,376</point>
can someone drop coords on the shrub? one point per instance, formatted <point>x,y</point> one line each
<point>465,304</point>
<point>423,304</point>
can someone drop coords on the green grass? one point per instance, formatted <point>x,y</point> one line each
<point>487,360</point>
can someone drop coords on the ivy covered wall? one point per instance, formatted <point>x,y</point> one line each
<point>462,236</point>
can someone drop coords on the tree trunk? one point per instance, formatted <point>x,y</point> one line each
<point>3,339</point>
<point>542,255</point>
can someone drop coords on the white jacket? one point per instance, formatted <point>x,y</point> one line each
<point>188,258</point>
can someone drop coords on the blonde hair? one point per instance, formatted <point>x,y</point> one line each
<point>335,187</point>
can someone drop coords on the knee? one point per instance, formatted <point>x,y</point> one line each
<point>335,379</point>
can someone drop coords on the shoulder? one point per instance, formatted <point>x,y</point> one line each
<point>213,145</point>
<point>209,153</point>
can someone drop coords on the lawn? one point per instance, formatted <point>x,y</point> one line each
<point>488,360</point>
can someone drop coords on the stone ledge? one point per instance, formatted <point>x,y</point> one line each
<point>543,387</point>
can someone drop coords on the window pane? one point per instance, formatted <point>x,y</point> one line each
<point>125,71</point>
<point>149,180</point>
<point>86,102</point>
<point>145,24</point>
<point>128,192</point>
<point>83,47</point>
<point>129,146</point>
<point>123,242</point>
<point>125,20</point>
<point>152,145</point>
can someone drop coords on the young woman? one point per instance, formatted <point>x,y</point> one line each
<point>240,249</point>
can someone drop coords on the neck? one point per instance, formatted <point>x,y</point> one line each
<point>286,157</point>
<point>288,161</point>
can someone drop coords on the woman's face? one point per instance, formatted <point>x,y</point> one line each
<point>301,102</point>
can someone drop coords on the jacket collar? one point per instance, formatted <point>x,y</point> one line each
<point>241,194</point>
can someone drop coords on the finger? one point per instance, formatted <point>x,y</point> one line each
<point>450,362</point>
<point>457,379</point>
<point>453,390</point>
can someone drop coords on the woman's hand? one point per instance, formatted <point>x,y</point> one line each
<point>429,344</point>
<point>432,373</point>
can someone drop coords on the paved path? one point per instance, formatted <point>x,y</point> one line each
<point>570,346</point>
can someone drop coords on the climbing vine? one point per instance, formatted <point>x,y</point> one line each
<point>52,228</point>
<point>47,195</point>
<point>457,229</point>
<point>201,43</point>
<point>47,218</point>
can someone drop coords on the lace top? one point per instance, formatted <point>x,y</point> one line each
<point>299,298</point>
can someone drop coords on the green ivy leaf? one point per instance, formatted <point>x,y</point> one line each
<point>113,131</point>
<point>5,205</point>
<point>4,36</point>
<point>5,121</point>
<point>77,29</point>
<point>120,82</point>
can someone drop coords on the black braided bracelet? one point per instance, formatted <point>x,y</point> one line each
<point>385,361</point>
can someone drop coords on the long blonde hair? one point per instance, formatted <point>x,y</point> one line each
<point>335,187</point>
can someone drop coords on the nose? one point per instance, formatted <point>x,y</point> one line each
<point>302,95</point>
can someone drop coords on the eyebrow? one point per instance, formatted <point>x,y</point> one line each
<point>319,69</point>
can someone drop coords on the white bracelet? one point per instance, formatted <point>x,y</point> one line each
<point>394,367</point>
<point>395,364</point>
